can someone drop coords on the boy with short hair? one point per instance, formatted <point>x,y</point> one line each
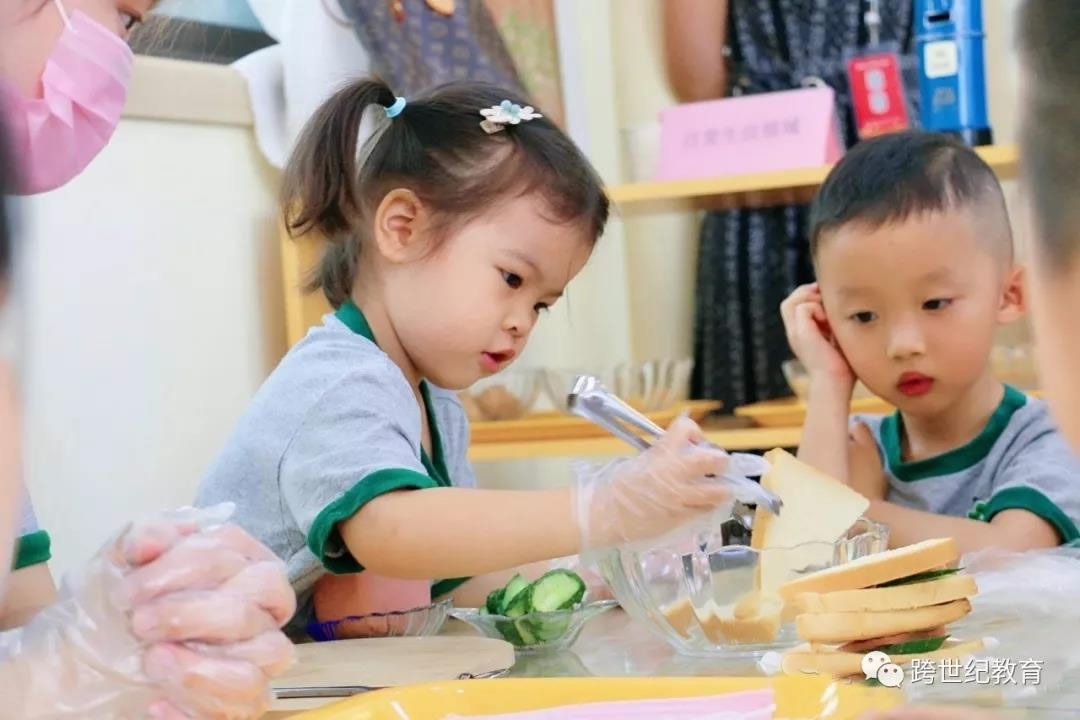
<point>1049,43</point>
<point>914,258</point>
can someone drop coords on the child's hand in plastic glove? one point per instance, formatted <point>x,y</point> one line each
<point>176,618</point>
<point>646,496</point>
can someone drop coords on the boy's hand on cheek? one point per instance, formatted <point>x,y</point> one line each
<point>866,475</point>
<point>808,333</point>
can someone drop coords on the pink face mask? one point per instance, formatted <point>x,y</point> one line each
<point>84,86</point>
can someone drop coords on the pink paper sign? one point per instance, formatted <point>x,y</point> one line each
<point>750,134</point>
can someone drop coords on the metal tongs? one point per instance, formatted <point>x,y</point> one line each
<point>590,400</point>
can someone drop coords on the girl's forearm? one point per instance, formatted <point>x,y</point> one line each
<point>459,532</point>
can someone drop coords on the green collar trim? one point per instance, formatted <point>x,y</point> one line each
<point>953,461</point>
<point>353,318</point>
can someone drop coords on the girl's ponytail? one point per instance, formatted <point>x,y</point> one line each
<point>321,189</point>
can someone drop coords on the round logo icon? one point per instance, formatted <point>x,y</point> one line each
<point>872,662</point>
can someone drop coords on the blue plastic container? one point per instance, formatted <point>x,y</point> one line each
<point>950,40</point>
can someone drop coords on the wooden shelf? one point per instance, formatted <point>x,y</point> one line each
<point>751,438</point>
<point>1002,158</point>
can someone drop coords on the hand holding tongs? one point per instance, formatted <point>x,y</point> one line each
<point>589,399</point>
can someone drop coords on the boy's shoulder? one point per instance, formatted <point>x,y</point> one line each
<point>1028,424</point>
<point>1031,428</point>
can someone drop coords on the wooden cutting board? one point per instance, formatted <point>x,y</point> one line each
<point>327,672</point>
<point>560,426</point>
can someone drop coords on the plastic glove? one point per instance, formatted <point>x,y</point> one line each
<point>647,496</point>
<point>175,618</point>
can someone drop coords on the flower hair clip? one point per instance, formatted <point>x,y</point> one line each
<point>497,117</point>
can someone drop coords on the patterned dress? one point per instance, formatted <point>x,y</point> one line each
<point>751,259</point>
<point>413,48</point>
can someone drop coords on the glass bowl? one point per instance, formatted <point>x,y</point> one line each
<point>647,387</point>
<point>703,593</point>
<point>508,395</point>
<point>418,622</point>
<point>535,632</point>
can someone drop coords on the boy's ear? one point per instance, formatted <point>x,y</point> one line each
<point>1013,296</point>
<point>397,226</point>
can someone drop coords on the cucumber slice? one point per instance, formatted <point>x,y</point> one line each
<point>494,601</point>
<point>921,577</point>
<point>915,647</point>
<point>556,590</point>
<point>515,587</point>
<point>509,632</point>
<point>520,604</point>
<point>525,632</point>
<point>550,629</point>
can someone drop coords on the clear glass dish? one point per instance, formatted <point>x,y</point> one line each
<point>712,594</point>
<point>535,632</point>
<point>508,395</point>
<point>649,386</point>
<point>417,622</point>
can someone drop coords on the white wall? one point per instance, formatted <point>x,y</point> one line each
<point>153,310</point>
<point>661,246</point>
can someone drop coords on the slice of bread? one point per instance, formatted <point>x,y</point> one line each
<point>872,570</point>
<point>817,508</point>
<point>844,664</point>
<point>736,631</point>
<point>755,620</point>
<point>900,597</point>
<point>818,511</point>
<point>680,615</point>
<point>842,627</point>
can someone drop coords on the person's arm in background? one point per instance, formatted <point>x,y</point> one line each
<point>30,586</point>
<point>694,32</point>
<point>29,590</point>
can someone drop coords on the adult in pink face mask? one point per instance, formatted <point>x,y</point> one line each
<point>66,71</point>
<point>177,616</point>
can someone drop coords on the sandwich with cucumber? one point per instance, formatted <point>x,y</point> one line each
<point>899,602</point>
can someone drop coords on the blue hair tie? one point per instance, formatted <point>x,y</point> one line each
<point>394,110</point>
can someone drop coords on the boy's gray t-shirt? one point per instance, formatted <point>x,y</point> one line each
<point>333,427</point>
<point>1018,461</point>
